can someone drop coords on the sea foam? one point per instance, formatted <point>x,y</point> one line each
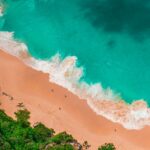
<point>65,73</point>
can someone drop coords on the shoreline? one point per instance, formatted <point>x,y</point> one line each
<point>66,74</point>
<point>58,108</point>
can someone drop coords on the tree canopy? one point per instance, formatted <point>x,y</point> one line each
<point>20,135</point>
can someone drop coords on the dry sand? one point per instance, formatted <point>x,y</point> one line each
<point>57,108</point>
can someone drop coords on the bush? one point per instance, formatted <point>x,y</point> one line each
<point>61,147</point>
<point>23,117</point>
<point>107,146</point>
<point>31,146</point>
<point>4,145</point>
<point>62,138</point>
<point>41,132</point>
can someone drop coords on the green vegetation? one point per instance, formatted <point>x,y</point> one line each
<point>19,135</point>
<point>107,146</point>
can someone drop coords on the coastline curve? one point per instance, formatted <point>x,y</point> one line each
<point>65,73</point>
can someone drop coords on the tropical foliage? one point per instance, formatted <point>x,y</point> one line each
<point>19,135</point>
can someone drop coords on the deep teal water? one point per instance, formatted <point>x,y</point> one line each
<point>109,37</point>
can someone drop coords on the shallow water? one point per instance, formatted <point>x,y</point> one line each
<point>109,37</point>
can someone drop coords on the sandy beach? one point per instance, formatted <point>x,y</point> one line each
<point>58,108</point>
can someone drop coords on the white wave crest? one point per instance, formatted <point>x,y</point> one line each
<point>65,73</point>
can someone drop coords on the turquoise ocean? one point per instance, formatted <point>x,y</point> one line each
<point>110,38</point>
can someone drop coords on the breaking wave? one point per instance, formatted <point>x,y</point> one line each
<point>65,73</point>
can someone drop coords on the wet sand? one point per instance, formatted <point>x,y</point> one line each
<point>57,108</point>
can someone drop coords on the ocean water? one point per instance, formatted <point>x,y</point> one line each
<point>110,38</point>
